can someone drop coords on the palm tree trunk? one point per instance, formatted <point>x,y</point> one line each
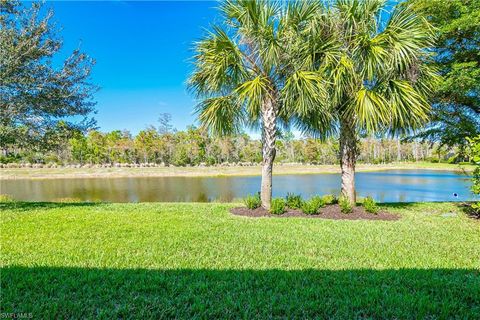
<point>268,151</point>
<point>348,158</point>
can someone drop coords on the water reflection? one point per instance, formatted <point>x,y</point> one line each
<point>385,186</point>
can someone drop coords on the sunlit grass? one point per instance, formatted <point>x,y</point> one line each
<point>197,260</point>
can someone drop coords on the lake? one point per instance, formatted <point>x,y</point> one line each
<point>383,186</point>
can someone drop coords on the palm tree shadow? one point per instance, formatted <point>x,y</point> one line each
<point>469,211</point>
<point>398,205</point>
<point>50,292</point>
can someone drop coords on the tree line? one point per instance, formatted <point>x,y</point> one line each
<point>197,147</point>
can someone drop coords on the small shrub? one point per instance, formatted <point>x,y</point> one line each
<point>475,208</point>
<point>345,205</point>
<point>277,206</point>
<point>319,201</point>
<point>370,205</point>
<point>253,201</point>
<point>329,199</point>
<point>6,198</point>
<point>294,201</point>
<point>313,205</point>
<point>309,208</point>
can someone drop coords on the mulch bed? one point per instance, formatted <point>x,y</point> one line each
<point>328,212</point>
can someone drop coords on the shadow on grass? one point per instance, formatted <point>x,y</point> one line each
<point>26,206</point>
<point>49,292</point>
<point>467,208</point>
<point>398,205</point>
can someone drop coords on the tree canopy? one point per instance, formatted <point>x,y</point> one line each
<point>456,104</point>
<point>39,91</point>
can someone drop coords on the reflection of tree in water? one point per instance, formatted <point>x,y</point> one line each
<point>171,189</point>
<point>382,186</point>
<point>220,189</point>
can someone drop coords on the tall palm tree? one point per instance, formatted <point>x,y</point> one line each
<point>253,73</point>
<point>379,82</point>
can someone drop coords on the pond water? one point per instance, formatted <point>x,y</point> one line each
<point>384,186</point>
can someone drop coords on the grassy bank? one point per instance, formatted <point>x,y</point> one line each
<point>152,260</point>
<point>53,173</point>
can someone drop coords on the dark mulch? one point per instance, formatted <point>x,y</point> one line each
<point>328,212</point>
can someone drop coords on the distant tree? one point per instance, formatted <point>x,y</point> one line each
<point>288,137</point>
<point>34,94</point>
<point>147,143</point>
<point>112,140</point>
<point>79,148</point>
<point>97,147</point>
<point>456,104</point>
<point>165,123</point>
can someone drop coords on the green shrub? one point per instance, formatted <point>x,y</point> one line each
<point>309,208</point>
<point>253,201</point>
<point>345,205</point>
<point>476,208</point>
<point>329,199</point>
<point>370,205</point>
<point>319,201</point>
<point>6,198</point>
<point>313,205</point>
<point>294,201</point>
<point>277,206</point>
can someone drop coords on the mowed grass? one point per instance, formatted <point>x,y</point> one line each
<point>152,260</point>
<point>214,171</point>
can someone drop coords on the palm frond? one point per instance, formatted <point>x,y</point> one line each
<point>219,64</point>
<point>408,109</point>
<point>304,92</point>
<point>221,115</point>
<point>406,37</point>
<point>369,109</point>
<point>253,94</point>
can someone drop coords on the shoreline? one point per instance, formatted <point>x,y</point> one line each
<point>213,171</point>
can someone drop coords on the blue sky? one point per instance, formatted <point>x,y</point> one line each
<point>142,52</point>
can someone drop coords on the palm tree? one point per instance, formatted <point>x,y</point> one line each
<point>253,73</point>
<point>379,82</point>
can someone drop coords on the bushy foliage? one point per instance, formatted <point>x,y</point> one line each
<point>455,100</point>
<point>6,198</point>
<point>277,206</point>
<point>294,201</point>
<point>345,205</point>
<point>370,205</point>
<point>474,154</point>
<point>252,201</point>
<point>37,96</point>
<point>313,205</point>
<point>329,199</point>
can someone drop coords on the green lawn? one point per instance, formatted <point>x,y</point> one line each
<point>153,260</point>
<point>214,171</point>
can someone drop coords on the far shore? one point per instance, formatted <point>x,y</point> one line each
<point>213,171</point>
